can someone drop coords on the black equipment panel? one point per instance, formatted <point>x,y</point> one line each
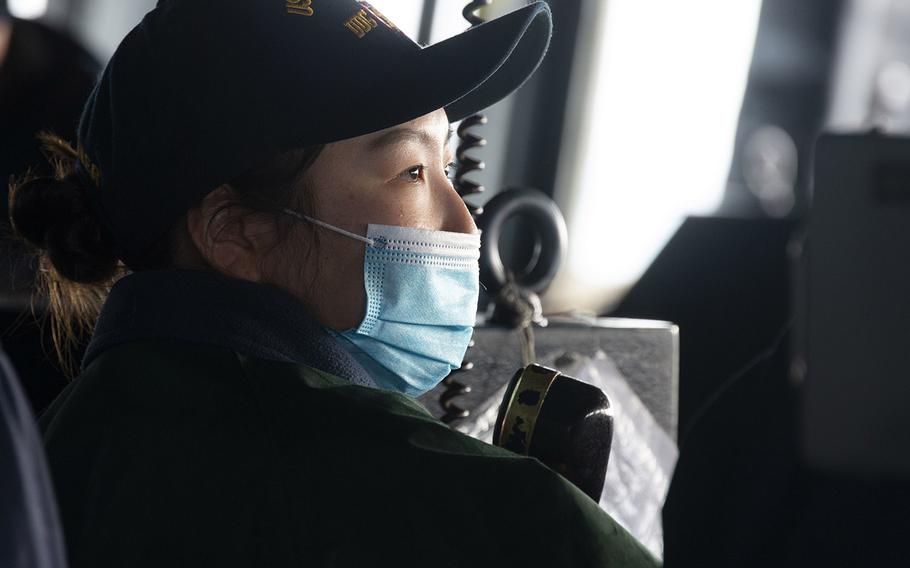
<point>853,308</point>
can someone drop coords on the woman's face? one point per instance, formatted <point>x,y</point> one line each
<point>397,176</point>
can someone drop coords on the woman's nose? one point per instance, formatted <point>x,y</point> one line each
<point>457,218</point>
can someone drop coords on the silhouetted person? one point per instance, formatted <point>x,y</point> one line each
<point>45,79</point>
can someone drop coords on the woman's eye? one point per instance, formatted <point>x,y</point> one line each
<point>417,173</point>
<point>413,174</point>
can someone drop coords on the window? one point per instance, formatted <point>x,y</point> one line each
<point>651,139</point>
<point>27,9</point>
<point>405,13</point>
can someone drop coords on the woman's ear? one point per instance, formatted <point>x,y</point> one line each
<point>226,236</point>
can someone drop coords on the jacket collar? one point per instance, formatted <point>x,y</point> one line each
<point>258,320</point>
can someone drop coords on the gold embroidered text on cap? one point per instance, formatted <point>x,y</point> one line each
<point>300,7</point>
<point>361,24</point>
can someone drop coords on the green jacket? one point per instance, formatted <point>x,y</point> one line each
<point>172,453</point>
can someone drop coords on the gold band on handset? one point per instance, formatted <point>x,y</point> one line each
<point>528,393</point>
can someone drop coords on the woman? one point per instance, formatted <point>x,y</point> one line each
<point>271,178</point>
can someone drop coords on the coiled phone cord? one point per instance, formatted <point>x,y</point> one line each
<point>468,140</point>
<point>465,164</point>
<point>470,11</point>
<point>455,389</point>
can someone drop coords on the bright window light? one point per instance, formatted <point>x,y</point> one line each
<point>27,9</point>
<point>405,13</point>
<point>448,21</point>
<point>659,123</point>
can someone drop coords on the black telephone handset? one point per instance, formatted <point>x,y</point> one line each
<point>563,422</point>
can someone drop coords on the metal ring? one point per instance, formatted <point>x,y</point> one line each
<point>547,220</point>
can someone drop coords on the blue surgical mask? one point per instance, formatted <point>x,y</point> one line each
<point>422,289</point>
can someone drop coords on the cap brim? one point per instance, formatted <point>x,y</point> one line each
<point>463,74</point>
<point>493,59</point>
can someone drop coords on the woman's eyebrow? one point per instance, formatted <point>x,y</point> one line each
<point>399,135</point>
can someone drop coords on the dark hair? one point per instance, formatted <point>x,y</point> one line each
<point>77,259</point>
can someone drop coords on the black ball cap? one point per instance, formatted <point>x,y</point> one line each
<point>203,90</point>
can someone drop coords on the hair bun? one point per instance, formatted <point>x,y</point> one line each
<point>54,215</point>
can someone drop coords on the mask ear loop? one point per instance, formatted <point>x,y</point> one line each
<point>324,225</point>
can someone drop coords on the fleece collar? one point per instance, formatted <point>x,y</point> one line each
<point>258,320</point>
